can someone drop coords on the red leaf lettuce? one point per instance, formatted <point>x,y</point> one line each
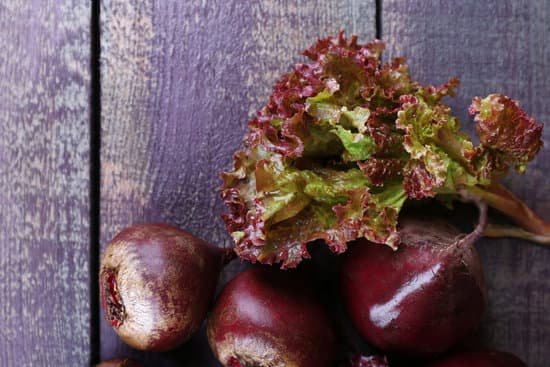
<point>346,139</point>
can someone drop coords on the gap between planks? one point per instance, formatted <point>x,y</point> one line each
<point>95,178</point>
<point>378,18</point>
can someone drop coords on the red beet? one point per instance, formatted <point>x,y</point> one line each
<point>156,283</point>
<point>267,317</point>
<point>480,358</point>
<point>421,299</point>
<point>119,362</point>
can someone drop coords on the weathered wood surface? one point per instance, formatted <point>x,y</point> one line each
<point>44,176</point>
<point>493,46</point>
<point>179,81</point>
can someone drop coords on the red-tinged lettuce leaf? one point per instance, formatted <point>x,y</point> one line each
<point>508,136</point>
<point>283,136</point>
<point>392,81</point>
<point>359,136</point>
<point>348,69</point>
<point>345,139</point>
<point>324,108</point>
<point>290,91</point>
<point>418,182</point>
<point>275,209</point>
<point>356,119</point>
<point>381,170</point>
<point>357,146</point>
<point>371,215</point>
<point>426,170</point>
<point>350,127</point>
<point>458,178</point>
<point>349,49</point>
<point>291,207</point>
<point>433,94</point>
<point>388,139</point>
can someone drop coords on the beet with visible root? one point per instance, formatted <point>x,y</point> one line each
<point>156,283</point>
<point>480,358</point>
<point>119,362</point>
<point>266,317</point>
<point>421,299</point>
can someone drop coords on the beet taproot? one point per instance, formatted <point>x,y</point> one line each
<point>421,299</point>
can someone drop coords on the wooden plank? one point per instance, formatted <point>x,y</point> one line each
<point>44,177</point>
<point>179,81</point>
<point>493,46</point>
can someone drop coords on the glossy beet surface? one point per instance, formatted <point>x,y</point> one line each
<point>119,362</point>
<point>156,283</point>
<point>421,299</point>
<point>480,358</point>
<point>267,317</point>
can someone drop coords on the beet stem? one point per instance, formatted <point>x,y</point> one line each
<point>498,197</point>
<point>481,225</point>
<point>496,230</point>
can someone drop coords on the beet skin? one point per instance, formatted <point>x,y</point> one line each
<point>421,299</point>
<point>119,362</point>
<point>268,317</point>
<point>156,282</point>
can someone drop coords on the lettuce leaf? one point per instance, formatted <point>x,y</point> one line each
<point>507,135</point>
<point>346,139</point>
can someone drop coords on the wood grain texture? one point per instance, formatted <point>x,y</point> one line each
<point>44,176</point>
<point>493,46</point>
<point>180,79</point>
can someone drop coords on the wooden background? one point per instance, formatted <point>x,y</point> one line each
<point>179,80</point>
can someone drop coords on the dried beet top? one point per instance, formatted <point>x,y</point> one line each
<point>345,140</point>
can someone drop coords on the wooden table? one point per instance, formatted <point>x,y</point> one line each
<point>124,111</point>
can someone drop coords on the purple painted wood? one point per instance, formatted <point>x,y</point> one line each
<point>179,81</point>
<point>44,178</point>
<point>493,46</point>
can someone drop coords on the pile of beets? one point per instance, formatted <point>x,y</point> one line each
<point>414,306</point>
